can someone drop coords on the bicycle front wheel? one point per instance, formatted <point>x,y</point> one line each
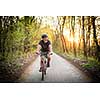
<point>42,75</point>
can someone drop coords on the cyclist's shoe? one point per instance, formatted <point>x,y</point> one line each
<point>48,65</point>
<point>40,70</point>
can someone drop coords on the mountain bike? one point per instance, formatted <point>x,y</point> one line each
<point>44,60</point>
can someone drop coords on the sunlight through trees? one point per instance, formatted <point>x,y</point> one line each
<point>72,35</point>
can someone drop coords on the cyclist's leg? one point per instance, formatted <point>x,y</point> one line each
<point>41,64</point>
<point>49,59</point>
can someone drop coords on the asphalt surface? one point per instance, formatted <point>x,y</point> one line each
<point>60,71</point>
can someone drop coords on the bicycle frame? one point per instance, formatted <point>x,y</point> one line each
<point>43,64</point>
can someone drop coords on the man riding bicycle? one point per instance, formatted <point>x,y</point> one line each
<point>44,46</point>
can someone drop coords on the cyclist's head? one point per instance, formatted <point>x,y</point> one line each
<point>44,37</point>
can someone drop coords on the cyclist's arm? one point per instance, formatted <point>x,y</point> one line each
<point>50,47</point>
<point>38,48</point>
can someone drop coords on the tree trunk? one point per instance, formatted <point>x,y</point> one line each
<point>83,33</point>
<point>95,39</point>
<point>73,33</point>
<point>64,41</point>
<point>79,44</point>
<point>64,46</point>
<point>0,34</point>
<point>89,27</point>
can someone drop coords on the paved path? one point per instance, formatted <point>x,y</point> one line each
<point>60,71</point>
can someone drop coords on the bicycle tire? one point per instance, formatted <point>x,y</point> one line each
<point>42,76</point>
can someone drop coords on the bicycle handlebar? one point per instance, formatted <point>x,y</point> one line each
<point>40,53</point>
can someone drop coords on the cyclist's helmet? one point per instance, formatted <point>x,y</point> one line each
<point>44,36</point>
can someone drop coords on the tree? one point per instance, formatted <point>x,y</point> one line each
<point>88,34</point>
<point>83,32</point>
<point>73,33</point>
<point>95,38</point>
<point>61,23</point>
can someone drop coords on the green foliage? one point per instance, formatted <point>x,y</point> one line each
<point>92,63</point>
<point>18,37</point>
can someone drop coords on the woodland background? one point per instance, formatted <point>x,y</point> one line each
<point>76,38</point>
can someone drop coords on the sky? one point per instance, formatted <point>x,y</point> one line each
<point>49,20</point>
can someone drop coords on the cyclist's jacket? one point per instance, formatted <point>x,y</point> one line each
<point>45,46</point>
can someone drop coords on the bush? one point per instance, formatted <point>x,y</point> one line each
<point>92,63</point>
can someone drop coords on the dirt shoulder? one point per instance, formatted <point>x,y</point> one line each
<point>10,73</point>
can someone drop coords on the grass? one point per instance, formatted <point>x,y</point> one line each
<point>91,62</point>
